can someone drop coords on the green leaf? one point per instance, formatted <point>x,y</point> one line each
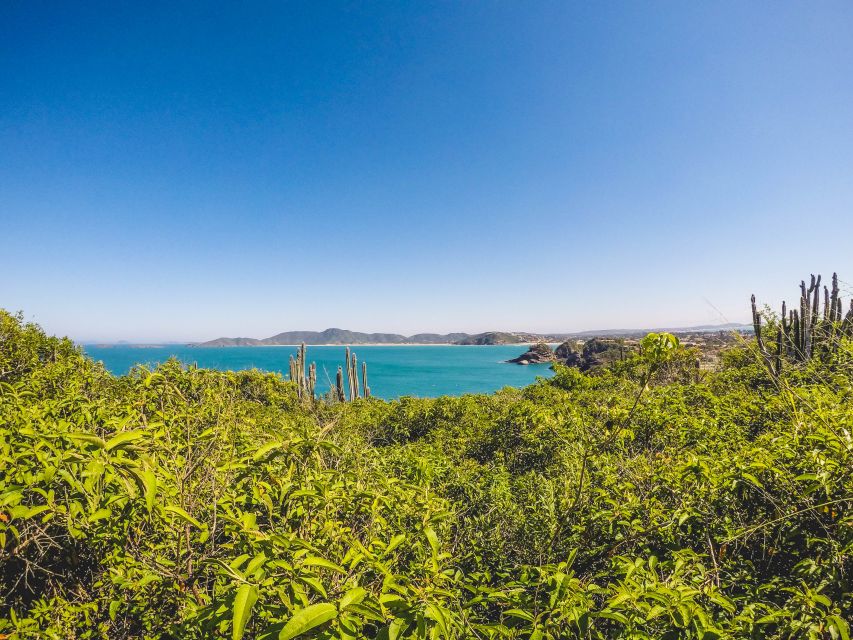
<point>614,615</point>
<point>433,543</point>
<point>88,438</point>
<point>803,477</point>
<point>149,481</point>
<point>753,479</point>
<point>315,584</point>
<point>124,438</point>
<point>366,612</point>
<point>256,563</point>
<point>433,540</point>
<point>23,511</point>
<point>395,629</point>
<point>518,613</point>
<point>237,562</point>
<point>12,497</point>
<point>821,599</point>
<point>840,626</point>
<point>435,613</point>
<point>100,514</point>
<point>316,561</point>
<point>654,612</point>
<point>308,618</point>
<point>723,601</point>
<point>353,596</point>
<point>245,599</point>
<point>770,618</point>
<point>264,450</point>
<point>183,515</point>
<point>396,541</point>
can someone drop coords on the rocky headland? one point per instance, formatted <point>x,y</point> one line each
<point>539,353</point>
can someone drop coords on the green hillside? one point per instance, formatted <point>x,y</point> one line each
<point>649,499</point>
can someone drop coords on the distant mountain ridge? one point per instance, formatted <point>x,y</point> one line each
<point>334,336</point>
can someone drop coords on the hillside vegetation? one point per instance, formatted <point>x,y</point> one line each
<point>649,499</point>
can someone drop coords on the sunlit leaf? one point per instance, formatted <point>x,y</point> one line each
<point>244,600</point>
<point>308,618</point>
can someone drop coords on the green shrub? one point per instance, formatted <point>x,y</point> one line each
<point>641,501</point>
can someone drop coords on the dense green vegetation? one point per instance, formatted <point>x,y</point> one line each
<point>646,500</point>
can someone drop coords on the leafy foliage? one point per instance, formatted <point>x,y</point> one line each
<point>646,500</point>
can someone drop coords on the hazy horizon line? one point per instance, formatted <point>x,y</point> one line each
<point>579,332</point>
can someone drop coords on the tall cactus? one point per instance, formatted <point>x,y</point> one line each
<point>835,305</point>
<point>350,358</point>
<point>364,380</point>
<point>759,339</point>
<point>756,325</point>
<point>340,385</point>
<point>806,318</point>
<point>306,380</point>
<point>354,373</point>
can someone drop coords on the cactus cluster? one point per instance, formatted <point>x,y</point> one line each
<point>306,383</point>
<point>354,390</point>
<point>808,331</point>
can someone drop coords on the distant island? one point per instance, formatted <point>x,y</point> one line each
<point>344,337</point>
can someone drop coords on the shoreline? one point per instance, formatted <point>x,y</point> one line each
<point>351,346</point>
<point>368,344</point>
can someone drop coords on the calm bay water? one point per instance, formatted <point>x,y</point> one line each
<point>393,371</point>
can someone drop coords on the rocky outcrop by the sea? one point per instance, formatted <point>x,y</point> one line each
<point>568,354</point>
<point>539,353</point>
<point>595,353</point>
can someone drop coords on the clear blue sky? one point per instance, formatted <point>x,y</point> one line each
<point>174,170</point>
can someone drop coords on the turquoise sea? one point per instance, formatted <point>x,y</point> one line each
<point>392,371</point>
